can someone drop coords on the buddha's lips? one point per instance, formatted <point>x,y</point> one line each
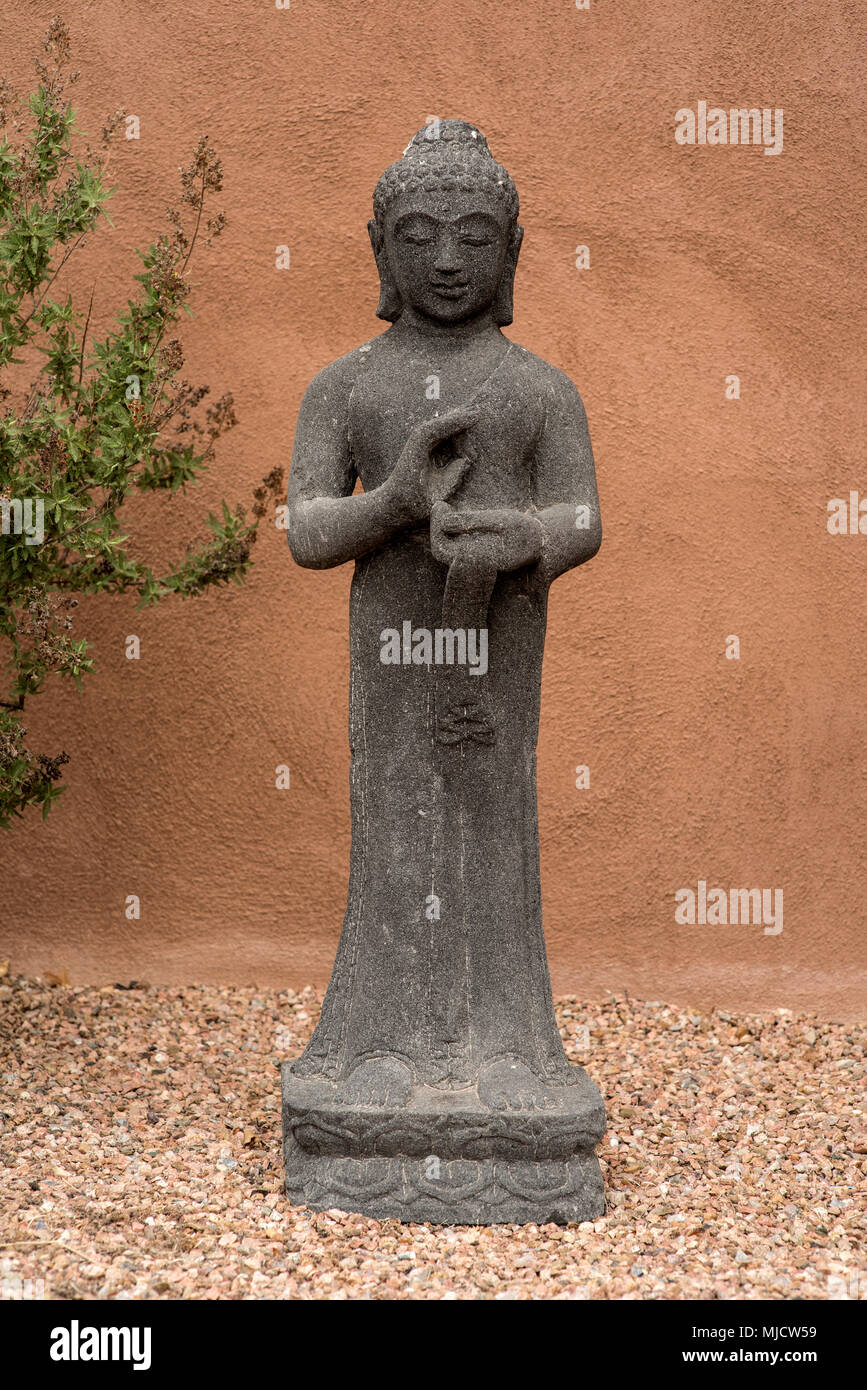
<point>450,291</point>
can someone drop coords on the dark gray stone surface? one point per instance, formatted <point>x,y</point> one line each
<point>435,1086</point>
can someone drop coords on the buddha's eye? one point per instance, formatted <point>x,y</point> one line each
<point>416,231</point>
<point>477,240</point>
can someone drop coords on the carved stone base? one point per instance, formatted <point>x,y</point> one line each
<point>444,1156</point>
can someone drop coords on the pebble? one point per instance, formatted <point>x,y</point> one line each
<point>140,1158</point>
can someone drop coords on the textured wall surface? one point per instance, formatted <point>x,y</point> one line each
<point>706,261</point>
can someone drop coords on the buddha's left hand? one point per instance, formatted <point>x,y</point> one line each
<point>503,537</point>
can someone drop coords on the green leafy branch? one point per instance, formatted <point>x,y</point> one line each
<point>101,419</point>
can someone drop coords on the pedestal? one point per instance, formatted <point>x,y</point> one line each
<point>445,1156</point>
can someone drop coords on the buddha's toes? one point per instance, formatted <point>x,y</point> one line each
<point>510,1085</point>
<point>377,1083</point>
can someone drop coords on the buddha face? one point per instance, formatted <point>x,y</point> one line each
<point>446,252</point>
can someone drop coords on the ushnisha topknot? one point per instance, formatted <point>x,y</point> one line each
<point>445,155</point>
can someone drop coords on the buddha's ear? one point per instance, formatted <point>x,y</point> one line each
<point>390,303</point>
<point>502,306</point>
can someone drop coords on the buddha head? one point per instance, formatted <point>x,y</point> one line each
<point>445,229</point>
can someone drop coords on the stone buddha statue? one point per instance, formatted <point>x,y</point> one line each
<point>435,1085</point>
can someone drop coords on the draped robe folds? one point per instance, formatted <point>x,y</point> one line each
<point>441,961</point>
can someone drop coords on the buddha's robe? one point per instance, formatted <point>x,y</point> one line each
<point>441,960</point>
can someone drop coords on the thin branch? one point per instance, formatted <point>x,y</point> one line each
<point>67,253</point>
<point>79,1254</point>
<point>84,335</point>
<point>196,228</point>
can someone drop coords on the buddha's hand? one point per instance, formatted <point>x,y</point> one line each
<point>502,537</point>
<point>420,478</point>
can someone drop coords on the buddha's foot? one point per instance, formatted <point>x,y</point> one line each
<point>510,1085</point>
<point>378,1083</point>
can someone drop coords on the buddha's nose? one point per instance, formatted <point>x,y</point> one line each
<point>447,258</point>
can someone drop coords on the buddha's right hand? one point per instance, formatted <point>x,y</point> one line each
<point>419,479</point>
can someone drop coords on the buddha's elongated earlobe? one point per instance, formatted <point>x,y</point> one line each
<point>502,306</point>
<point>390,303</point>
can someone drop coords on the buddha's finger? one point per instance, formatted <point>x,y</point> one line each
<point>434,431</point>
<point>447,478</point>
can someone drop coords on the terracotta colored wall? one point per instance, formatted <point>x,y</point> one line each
<point>704,262</point>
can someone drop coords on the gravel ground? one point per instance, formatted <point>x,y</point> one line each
<point>140,1158</point>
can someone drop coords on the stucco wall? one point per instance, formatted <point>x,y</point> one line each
<point>705,262</point>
